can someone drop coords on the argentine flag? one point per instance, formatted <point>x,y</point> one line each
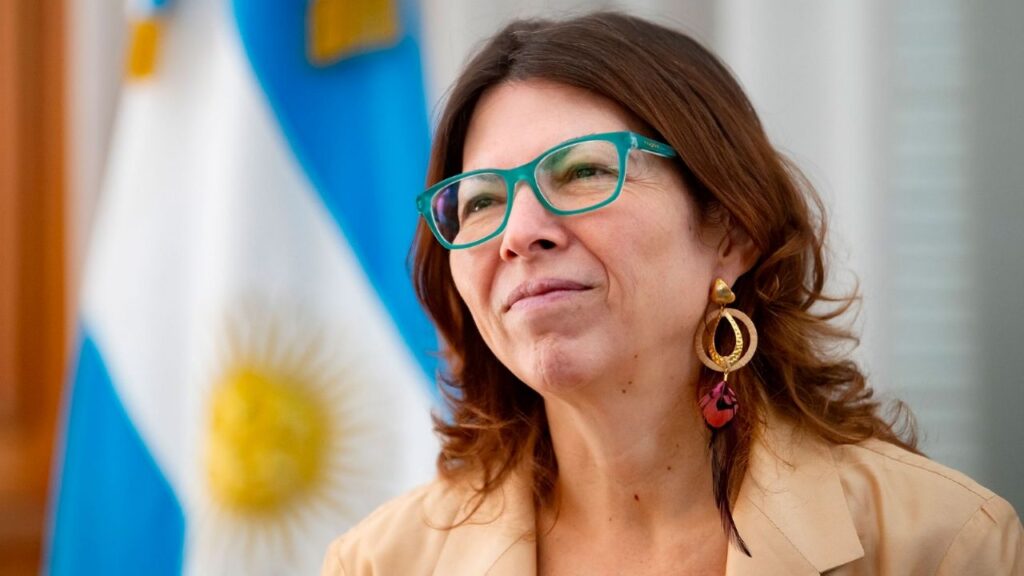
<point>253,374</point>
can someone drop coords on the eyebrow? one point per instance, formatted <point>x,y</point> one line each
<point>559,154</point>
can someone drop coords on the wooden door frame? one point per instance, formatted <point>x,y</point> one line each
<point>33,338</point>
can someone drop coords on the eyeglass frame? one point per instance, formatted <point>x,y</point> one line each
<point>624,141</point>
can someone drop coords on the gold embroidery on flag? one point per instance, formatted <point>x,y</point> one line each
<point>143,49</point>
<point>339,28</point>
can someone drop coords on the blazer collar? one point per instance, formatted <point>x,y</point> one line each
<point>791,507</point>
<point>498,539</point>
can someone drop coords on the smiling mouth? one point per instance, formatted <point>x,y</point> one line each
<point>537,288</point>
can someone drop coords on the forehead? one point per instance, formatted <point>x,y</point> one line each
<point>515,121</point>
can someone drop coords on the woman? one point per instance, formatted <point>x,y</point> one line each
<point>642,379</point>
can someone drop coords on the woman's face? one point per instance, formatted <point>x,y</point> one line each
<point>605,296</point>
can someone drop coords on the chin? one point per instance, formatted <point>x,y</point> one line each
<point>557,368</point>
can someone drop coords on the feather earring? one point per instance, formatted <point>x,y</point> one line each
<point>720,404</point>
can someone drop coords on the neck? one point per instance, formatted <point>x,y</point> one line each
<point>631,456</point>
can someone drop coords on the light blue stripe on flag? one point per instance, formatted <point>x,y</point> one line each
<point>359,129</point>
<point>116,513</point>
<point>150,7</point>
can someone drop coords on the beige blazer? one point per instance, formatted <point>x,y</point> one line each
<point>805,507</point>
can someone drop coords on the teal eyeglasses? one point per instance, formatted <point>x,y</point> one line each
<point>576,176</point>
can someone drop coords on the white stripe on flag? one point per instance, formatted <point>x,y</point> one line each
<point>211,248</point>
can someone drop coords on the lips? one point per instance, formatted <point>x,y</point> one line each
<point>532,288</point>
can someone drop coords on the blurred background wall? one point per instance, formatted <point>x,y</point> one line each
<point>904,114</point>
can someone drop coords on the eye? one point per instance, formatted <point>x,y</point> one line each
<point>478,204</point>
<point>585,171</point>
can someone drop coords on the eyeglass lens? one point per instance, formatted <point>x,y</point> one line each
<point>572,178</point>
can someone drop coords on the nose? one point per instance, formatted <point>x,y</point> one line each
<point>530,229</point>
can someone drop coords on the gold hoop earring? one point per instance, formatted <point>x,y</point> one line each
<point>719,405</point>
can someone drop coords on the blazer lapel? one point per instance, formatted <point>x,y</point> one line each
<point>498,539</point>
<point>791,509</point>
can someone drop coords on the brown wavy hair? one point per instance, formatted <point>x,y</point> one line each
<point>687,98</point>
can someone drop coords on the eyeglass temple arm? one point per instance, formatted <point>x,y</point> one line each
<point>653,146</point>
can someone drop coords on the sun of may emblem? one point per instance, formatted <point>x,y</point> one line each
<point>268,438</point>
<point>280,442</point>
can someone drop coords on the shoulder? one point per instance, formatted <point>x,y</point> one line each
<point>901,501</point>
<point>874,472</point>
<point>402,536</point>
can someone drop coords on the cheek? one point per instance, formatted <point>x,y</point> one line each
<point>663,266</point>
<point>472,280</point>
<point>462,277</point>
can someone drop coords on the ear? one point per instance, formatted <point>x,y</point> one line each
<point>737,252</point>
